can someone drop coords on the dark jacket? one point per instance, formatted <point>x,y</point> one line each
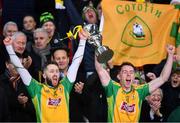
<point>29,35</point>
<point>76,19</point>
<point>56,41</point>
<point>171,99</point>
<point>17,111</point>
<point>145,114</point>
<point>3,57</point>
<point>4,111</point>
<point>37,65</point>
<point>96,99</point>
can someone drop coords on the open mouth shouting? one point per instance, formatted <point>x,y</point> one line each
<point>127,83</point>
<point>90,15</point>
<point>175,83</point>
<point>55,80</point>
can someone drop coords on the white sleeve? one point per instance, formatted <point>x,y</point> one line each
<point>77,59</point>
<point>25,76</point>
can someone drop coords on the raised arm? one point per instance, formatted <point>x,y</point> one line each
<point>164,76</point>
<point>77,59</point>
<point>25,76</point>
<point>102,73</point>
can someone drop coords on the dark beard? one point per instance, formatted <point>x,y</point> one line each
<point>49,82</point>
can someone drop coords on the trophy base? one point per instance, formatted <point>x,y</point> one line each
<point>105,56</point>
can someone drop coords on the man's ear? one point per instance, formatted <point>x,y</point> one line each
<point>52,58</point>
<point>44,75</point>
<point>118,76</point>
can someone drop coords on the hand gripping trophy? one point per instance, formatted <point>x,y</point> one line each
<point>103,53</point>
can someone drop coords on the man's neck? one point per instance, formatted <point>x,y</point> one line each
<point>64,71</point>
<point>127,89</point>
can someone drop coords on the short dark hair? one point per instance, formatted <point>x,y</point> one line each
<point>175,71</point>
<point>60,48</point>
<point>48,63</point>
<point>128,64</point>
<point>29,15</point>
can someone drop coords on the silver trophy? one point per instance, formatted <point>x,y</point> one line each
<point>103,53</point>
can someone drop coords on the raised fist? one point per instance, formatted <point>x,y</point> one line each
<point>7,41</point>
<point>151,76</point>
<point>170,49</point>
<point>83,34</point>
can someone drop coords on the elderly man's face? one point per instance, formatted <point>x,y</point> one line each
<point>155,96</point>
<point>11,29</point>
<point>19,44</point>
<point>41,40</point>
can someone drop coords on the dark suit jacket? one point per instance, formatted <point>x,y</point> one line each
<point>145,114</point>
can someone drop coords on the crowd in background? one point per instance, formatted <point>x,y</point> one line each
<point>39,33</point>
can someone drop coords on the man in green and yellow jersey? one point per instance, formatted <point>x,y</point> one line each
<point>51,99</point>
<point>125,100</point>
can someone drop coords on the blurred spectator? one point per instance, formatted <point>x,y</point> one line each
<point>47,22</point>
<point>19,101</point>
<point>94,95</point>
<point>29,25</point>
<point>96,103</point>
<point>150,111</point>
<point>56,8</point>
<point>39,52</point>
<point>8,30</point>
<point>89,16</point>
<point>61,56</point>
<point>171,92</point>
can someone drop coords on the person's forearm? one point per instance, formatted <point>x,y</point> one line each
<point>77,59</point>
<point>98,66</point>
<point>167,68</point>
<point>164,76</point>
<point>25,76</point>
<point>102,73</point>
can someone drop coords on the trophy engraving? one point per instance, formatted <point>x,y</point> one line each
<point>103,53</point>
